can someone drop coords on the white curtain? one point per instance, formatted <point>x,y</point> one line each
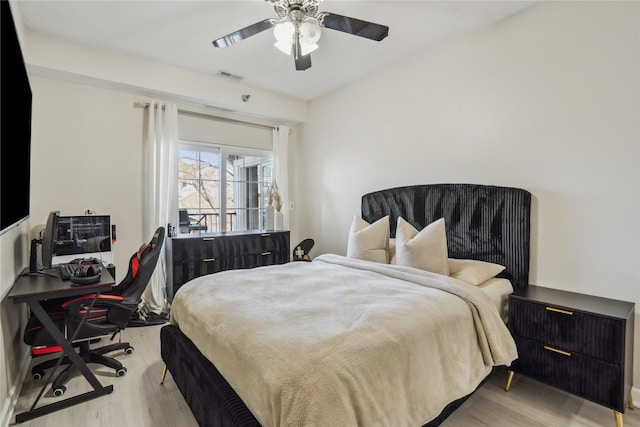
<point>281,167</point>
<point>160,194</point>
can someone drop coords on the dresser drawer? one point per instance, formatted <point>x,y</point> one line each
<point>197,248</point>
<point>260,244</point>
<point>593,379</point>
<point>253,260</point>
<point>193,268</point>
<point>589,334</point>
<point>272,256</point>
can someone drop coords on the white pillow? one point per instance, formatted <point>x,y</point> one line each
<point>426,250</point>
<point>369,242</point>
<point>473,271</point>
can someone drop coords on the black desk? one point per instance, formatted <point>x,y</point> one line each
<point>32,289</point>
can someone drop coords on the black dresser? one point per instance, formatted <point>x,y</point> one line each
<point>194,255</point>
<point>577,343</point>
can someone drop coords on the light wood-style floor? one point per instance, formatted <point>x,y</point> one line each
<point>139,400</point>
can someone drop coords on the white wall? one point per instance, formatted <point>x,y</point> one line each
<point>14,257</point>
<point>218,132</point>
<point>86,154</point>
<point>103,68</point>
<point>547,100</point>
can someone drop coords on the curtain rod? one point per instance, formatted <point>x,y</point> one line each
<point>209,116</point>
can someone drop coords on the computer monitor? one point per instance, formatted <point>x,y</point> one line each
<point>83,236</point>
<point>50,239</point>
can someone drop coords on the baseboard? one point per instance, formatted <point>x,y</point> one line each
<point>635,396</point>
<point>9,405</point>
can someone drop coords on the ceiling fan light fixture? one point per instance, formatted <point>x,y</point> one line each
<point>310,32</point>
<point>285,46</point>
<point>307,48</point>
<point>284,31</point>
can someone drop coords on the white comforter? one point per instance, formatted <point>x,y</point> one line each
<point>342,342</point>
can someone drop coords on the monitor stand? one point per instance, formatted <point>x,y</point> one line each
<point>33,259</point>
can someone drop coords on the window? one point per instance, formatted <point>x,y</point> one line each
<point>222,188</point>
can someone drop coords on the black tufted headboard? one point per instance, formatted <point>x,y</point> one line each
<point>483,222</point>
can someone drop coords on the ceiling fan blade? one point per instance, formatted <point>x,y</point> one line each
<point>303,62</point>
<point>244,33</point>
<point>353,26</point>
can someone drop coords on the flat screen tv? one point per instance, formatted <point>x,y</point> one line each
<point>15,126</point>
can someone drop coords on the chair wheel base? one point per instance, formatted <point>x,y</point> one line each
<point>59,391</point>
<point>121,372</point>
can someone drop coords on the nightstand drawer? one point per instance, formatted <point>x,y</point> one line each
<point>589,334</point>
<point>592,379</point>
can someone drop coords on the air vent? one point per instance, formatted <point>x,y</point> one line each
<point>229,76</point>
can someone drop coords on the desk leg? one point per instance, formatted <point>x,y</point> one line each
<point>56,334</point>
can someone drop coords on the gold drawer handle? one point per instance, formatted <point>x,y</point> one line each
<point>557,310</point>
<point>265,253</point>
<point>206,239</point>
<point>209,259</point>
<point>566,353</point>
<point>265,235</point>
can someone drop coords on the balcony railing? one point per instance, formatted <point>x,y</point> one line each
<point>205,222</point>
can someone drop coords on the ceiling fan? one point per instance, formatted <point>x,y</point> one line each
<point>297,29</point>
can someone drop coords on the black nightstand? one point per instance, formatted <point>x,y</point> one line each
<point>578,343</point>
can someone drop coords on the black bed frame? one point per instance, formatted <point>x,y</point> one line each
<point>487,223</point>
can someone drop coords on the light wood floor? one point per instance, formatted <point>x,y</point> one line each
<point>139,400</point>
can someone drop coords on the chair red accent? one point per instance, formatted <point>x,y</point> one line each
<point>109,315</point>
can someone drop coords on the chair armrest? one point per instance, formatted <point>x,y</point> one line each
<point>83,302</point>
<point>119,314</point>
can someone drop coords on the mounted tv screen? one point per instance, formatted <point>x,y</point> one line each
<point>15,126</point>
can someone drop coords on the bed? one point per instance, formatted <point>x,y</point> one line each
<point>345,341</point>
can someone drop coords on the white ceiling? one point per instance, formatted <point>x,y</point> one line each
<point>180,32</point>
